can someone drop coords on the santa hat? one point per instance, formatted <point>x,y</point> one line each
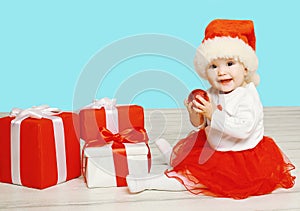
<point>228,39</point>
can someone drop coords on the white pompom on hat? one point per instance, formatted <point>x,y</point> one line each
<point>228,39</point>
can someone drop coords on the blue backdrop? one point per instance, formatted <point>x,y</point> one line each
<point>66,53</point>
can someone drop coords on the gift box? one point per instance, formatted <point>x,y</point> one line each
<point>39,147</point>
<point>105,113</point>
<point>108,165</point>
<point>115,143</point>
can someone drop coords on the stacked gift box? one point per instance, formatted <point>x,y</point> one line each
<point>43,146</point>
<point>114,142</point>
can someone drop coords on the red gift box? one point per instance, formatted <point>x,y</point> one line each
<point>115,118</point>
<point>103,122</point>
<point>46,152</point>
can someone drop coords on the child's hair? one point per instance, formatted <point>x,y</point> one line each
<point>228,39</point>
<point>253,78</point>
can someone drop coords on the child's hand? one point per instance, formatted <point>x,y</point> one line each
<point>206,108</point>
<point>189,106</point>
<point>195,117</point>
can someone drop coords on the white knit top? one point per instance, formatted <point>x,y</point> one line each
<point>239,125</point>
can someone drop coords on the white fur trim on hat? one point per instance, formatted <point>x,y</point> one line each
<point>225,47</point>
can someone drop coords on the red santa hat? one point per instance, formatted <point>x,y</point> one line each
<point>228,39</point>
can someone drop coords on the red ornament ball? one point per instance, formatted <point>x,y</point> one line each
<point>194,93</point>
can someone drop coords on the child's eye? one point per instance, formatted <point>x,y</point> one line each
<point>213,66</point>
<point>230,63</point>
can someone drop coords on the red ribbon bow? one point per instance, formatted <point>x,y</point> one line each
<point>131,135</point>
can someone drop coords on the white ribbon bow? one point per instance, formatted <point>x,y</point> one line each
<point>38,112</point>
<point>103,103</point>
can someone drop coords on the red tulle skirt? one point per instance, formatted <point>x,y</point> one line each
<point>234,174</point>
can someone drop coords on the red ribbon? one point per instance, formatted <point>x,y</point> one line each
<point>132,135</point>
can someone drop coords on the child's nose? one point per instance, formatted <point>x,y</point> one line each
<point>221,70</point>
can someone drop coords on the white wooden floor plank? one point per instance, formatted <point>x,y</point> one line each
<point>281,123</point>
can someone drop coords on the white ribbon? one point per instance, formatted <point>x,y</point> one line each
<point>38,112</point>
<point>111,112</point>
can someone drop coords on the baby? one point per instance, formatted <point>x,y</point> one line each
<point>228,156</point>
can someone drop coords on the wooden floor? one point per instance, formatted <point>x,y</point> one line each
<point>281,123</point>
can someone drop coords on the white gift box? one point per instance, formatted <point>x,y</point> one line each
<point>99,165</point>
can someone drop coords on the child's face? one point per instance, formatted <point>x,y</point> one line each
<point>226,74</point>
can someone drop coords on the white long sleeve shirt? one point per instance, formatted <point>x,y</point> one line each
<point>239,125</point>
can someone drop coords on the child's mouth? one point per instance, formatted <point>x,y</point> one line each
<point>225,81</point>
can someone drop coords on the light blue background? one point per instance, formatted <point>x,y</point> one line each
<point>45,46</point>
